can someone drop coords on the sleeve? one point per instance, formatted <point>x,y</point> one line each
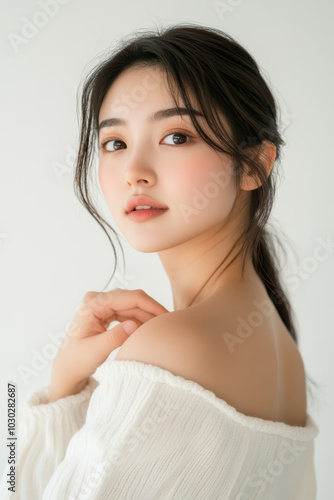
<point>44,431</point>
<point>145,433</point>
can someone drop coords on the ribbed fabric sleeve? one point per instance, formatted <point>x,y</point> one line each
<point>43,432</point>
<point>153,435</point>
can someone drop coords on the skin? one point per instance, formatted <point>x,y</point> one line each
<point>192,243</point>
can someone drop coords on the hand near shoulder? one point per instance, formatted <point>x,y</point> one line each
<point>88,342</point>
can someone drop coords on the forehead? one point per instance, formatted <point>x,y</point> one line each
<point>136,74</point>
<point>138,89</point>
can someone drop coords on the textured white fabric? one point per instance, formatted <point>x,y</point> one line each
<point>137,431</point>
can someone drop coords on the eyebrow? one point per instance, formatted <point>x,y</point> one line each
<point>157,115</point>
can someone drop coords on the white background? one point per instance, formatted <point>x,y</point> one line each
<point>51,249</point>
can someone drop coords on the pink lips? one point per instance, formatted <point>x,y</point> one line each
<point>141,200</point>
<point>145,214</point>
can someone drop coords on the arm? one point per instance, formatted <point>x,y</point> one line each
<point>44,431</point>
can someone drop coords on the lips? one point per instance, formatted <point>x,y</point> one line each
<point>135,201</point>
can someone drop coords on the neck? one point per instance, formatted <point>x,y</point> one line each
<point>199,268</point>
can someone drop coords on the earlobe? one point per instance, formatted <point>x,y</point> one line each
<point>267,154</point>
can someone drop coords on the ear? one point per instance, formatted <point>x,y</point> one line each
<point>267,153</point>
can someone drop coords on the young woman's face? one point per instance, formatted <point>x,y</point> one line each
<point>152,158</point>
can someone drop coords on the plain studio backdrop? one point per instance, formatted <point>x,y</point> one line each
<point>52,251</point>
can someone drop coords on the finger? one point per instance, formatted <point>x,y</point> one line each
<point>99,309</point>
<point>101,346</point>
<point>105,303</point>
<point>82,327</point>
<point>135,314</point>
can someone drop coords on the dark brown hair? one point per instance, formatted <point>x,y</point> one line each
<point>209,64</point>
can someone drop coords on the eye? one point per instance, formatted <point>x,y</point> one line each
<point>180,137</point>
<point>103,145</point>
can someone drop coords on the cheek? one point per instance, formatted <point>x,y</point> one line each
<point>103,178</point>
<point>204,184</point>
<point>108,185</point>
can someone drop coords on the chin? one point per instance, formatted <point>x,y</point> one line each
<point>145,246</point>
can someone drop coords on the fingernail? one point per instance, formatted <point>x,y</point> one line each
<point>129,327</point>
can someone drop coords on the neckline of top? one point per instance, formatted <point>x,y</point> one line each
<point>156,373</point>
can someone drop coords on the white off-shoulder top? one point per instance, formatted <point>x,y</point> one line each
<point>137,431</point>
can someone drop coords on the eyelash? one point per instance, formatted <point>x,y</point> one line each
<point>171,132</point>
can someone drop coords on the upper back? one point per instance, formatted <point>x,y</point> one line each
<point>249,358</point>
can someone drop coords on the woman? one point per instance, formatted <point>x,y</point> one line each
<point>208,400</point>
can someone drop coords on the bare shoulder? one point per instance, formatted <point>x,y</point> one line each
<point>168,341</point>
<point>256,369</point>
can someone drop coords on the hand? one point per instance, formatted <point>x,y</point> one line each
<point>88,343</point>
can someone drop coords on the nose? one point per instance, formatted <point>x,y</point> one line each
<point>136,174</point>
